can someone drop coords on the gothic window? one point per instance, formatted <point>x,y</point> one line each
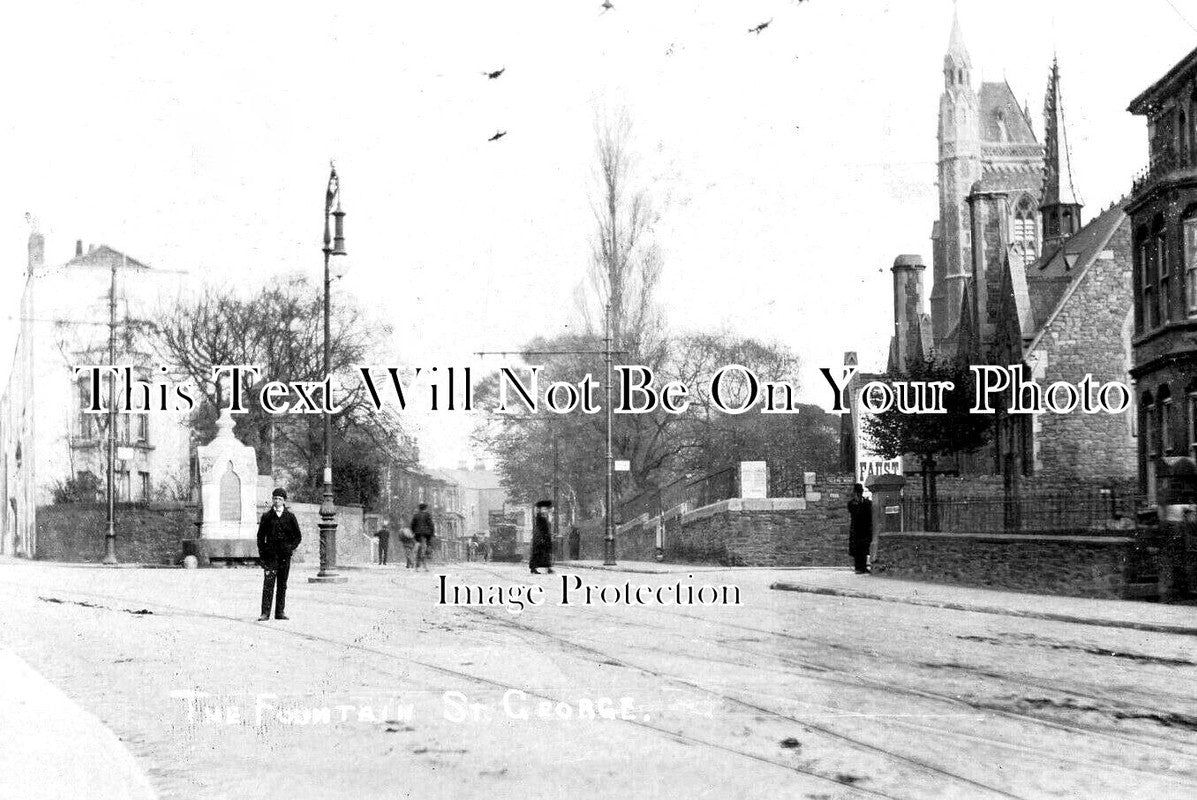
<point>1153,301</point>
<point>1022,232</point>
<point>1190,265</point>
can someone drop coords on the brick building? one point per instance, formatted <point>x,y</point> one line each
<point>1163,218</point>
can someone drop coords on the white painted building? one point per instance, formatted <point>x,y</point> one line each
<point>46,438</point>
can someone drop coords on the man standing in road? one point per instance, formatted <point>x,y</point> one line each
<point>278,536</point>
<point>542,539</point>
<point>423,529</point>
<point>860,529</point>
<point>384,544</point>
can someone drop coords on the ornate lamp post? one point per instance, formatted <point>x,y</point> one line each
<point>334,245</point>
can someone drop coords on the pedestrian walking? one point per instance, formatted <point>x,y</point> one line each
<point>542,539</point>
<point>278,536</point>
<point>860,529</point>
<point>409,546</point>
<point>384,545</point>
<point>423,529</point>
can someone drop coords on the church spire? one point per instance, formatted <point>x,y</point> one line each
<point>1060,207</point>
<point>957,66</point>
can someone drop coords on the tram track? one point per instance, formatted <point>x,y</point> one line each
<point>664,732</point>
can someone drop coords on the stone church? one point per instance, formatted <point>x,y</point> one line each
<point>1018,279</point>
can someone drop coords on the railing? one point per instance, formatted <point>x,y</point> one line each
<point>1164,162</point>
<point>1097,511</point>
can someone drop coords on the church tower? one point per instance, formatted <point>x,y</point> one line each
<point>959,168</point>
<point>1060,209</point>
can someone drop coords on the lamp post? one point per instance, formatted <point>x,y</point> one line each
<point>334,245</point>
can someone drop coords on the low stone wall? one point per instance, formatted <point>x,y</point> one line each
<point>1079,566</point>
<point>154,534</point>
<point>787,531</point>
<point>144,534</point>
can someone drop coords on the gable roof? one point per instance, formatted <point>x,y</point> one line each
<point>105,256</point>
<point>1049,279</point>
<point>1054,277</point>
<point>997,100</point>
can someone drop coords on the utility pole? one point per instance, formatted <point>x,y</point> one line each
<point>609,538</point>
<point>110,534</point>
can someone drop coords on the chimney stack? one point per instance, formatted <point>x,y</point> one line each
<point>78,247</point>
<point>908,308</point>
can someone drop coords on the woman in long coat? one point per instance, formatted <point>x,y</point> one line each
<point>860,529</point>
<point>542,539</point>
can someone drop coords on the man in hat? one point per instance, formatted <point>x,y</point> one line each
<point>423,529</point>
<point>384,544</point>
<point>542,539</point>
<point>860,529</point>
<point>278,536</point>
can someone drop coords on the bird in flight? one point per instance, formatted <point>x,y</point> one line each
<point>495,74</point>
<point>498,135</point>
<point>757,30</point>
<point>606,6</point>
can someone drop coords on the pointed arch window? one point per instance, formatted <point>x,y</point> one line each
<point>1023,232</point>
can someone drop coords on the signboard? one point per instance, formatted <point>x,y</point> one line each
<point>868,462</point>
<point>125,453</point>
<point>623,465</point>
<point>754,479</point>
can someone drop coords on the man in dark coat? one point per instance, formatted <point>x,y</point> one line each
<point>423,529</point>
<point>860,529</point>
<point>542,539</point>
<point>384,544</point>
<point>278,536</point>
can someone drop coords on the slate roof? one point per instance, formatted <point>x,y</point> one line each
<point>998,98</point>
<point>104,256</point>
<point>1049,278</point>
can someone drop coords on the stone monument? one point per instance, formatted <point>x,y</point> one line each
<point>228,473</point>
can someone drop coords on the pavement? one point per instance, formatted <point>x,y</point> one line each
<point>843,582</point>
<point>61,751</point>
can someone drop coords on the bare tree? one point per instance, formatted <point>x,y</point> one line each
<point>625,259</point>
<point>276,331</point>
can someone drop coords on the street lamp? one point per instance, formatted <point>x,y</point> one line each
<point>334,245</point>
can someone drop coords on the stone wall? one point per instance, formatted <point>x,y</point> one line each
<point>1090,335</point>
<point>154,534</point>
<point>805,531</point>
<point>1080,566</point>
<point>144,534</point>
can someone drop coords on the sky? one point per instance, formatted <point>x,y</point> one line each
<point>788,167</point>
